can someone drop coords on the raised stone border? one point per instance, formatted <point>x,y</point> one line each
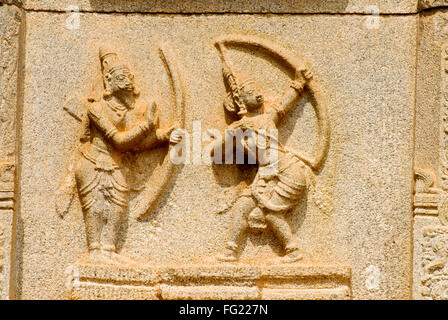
<point>221,281</point>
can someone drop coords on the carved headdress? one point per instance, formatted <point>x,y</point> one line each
<point>233,103</point>
<point>109,60</point>
<point>109,63</point>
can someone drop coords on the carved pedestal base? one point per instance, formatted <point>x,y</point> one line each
<point>220,281</point>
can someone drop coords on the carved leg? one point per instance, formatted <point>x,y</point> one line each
<point>111,231</point>
<point>112,227</point>
<point>282,231</point>
<point>91,201</point>
<point>92,218</point>
<point>242,207</point>
<point>281,228</point>
<point>93,221</point>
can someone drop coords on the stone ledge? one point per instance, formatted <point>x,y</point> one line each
<point>221,281</point>
<point>426,203</point>
<point>225,6</point>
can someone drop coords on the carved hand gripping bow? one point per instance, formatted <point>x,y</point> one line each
<point>153,190</point>
<point>298,65</point>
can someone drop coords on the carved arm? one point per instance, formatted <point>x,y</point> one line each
<point>235,137</point>
<point>154,138</point>
<point>289,98</point>
<point>122,140</point>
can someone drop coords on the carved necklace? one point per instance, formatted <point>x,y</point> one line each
<point>119,110</point>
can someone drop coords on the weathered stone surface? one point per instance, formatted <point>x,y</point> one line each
<point>357,90</point>
<point>431,145</point>
<point>426,4</point>
<point>17,3</point>
<point>295,281</point>
<point>215,6</point>
<point>11,19</point>
<point>367,177</point>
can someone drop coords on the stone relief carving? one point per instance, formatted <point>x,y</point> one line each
<point>278,185</point>
<point>114,122</point>
<point>98,178</point>
<point>6,206</point>
<point>219,282</point>
<point>435,262</point>
<point>427,196</point>
<point>151,193</point>
<point>434,253</point>
<point>104,195</point>
<point>432,201</point>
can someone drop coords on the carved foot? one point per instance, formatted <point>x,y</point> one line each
<point>119,259</point>
<point>228,256</point>
<point>98,257</point>
<point>292,256</point>
<point>102,257</point>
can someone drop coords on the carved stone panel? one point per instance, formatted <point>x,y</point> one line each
<point>336,199</point>
<point>226,150</point>
<point>435,263</point>
<point>217,282</point>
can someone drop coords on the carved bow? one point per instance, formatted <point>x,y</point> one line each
<point>298,65</point>
<point>153,190</point>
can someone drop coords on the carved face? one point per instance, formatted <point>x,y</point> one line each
<point>121,80</point>
<point>251,97</point>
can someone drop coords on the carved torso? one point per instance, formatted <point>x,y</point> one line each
<point>288,179</point>
<point>100,147</point>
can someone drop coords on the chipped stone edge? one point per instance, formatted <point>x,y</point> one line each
<point>186,7</point>
<point>10,160</point>
<point>219,7</point>
<point>431,4</point>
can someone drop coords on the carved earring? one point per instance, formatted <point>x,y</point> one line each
<point>136,91</point>
<point>107,87</point>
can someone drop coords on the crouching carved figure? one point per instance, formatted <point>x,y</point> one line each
<point>280,181</point>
